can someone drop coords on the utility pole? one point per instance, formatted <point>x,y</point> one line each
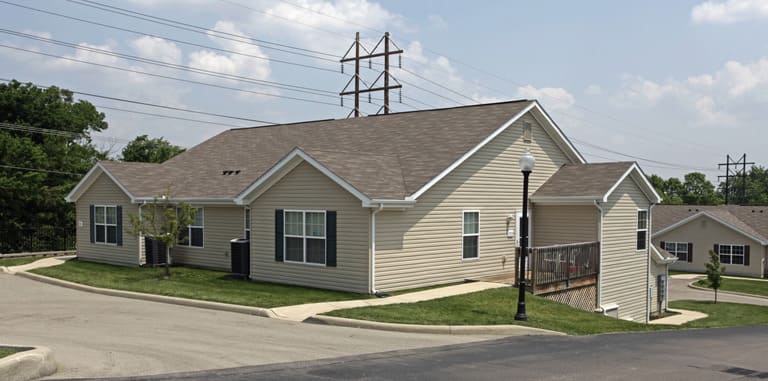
<point>735,173</point>
<point>385,74</point>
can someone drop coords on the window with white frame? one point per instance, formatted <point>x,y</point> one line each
<point>470,234</point>
<point>304,234</point>
<point>247,223</point>
<point>731,254</point>
<point>642,229</point>
<point>192,236</point>
<point>679,249</point>
<point>105,223</point>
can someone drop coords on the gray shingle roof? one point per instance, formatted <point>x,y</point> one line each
<point>750,219</point>
<point>583,180</point>
<point>384,157</point>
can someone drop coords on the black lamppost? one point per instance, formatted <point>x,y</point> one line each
<point>527,161</point>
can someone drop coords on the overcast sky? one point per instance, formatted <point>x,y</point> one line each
<point>679,83</point>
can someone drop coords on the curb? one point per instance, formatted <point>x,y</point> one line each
<point>33,363</point>
<point>726,292</point>
<point>505,330</point>
<point>257,311</point>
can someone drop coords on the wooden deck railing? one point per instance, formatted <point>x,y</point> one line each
<point>551,266</point>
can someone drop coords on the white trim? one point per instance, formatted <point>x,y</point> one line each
<point>89,179</point>
<point>105,225</point>
<point>645,185</point>
<point>191,200</point>
<point>600,270</point>
<point>647,229</point>
<point>192,226</point>
<point>712,216</point>
<point>731,245</point>
<point>660,259</point>
<point>565,200</point>
<point>463,234</point>
<point>297,152</point>
<point>247,222</point>
<point>579,158</point>
<point>687,254</point>
<point>304,236</point>
<point>389,204</point>
<point>533,106</point>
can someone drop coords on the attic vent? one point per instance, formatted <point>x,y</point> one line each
<point>526,132</point>
<point>230,172</point>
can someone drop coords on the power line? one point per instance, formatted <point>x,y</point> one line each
<point>166,116</point>
<point>673,165</point>
<point>59,133</point>
<point>153,105</point>
<point>203,30</point>
<point>282,86</point>
<point>169,77</point>
<point>188,43</point>
<point>40,170</point>
<point>438,85</point>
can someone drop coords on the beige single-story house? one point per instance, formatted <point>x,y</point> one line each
<point>738,234</point>
<point>389,202</point>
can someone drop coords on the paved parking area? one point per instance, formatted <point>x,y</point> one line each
<point>96,335</point>
<point>679,290</point>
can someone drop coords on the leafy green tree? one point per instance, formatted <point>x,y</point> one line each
<point>146,150</point>
<point>714,272</point>
<point>756,188</point>
<point>699,190</point>
<point>40,166</point>
<point>164,221</point>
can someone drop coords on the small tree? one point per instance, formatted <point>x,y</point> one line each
<point>164,221</point>
<point>714,272</point>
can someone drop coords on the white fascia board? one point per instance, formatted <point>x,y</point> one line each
<point>714,217</point>
<point>660,259</point>
<point>297,152</point>
<point>88,180</point>
<point>549,126</point>
<point>644,184</point>
<point>566,200</point>
<point>191,200</point>
<point>389,204</point>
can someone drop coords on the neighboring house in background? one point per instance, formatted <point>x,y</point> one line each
<point>739,234</point>
<point>385,203</point>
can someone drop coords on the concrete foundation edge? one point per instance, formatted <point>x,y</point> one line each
<point>31,364</point>
<point>695,287</point>
<point>503,330</point>
<point>263,312</point>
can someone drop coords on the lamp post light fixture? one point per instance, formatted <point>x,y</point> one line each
<point>527,162</point>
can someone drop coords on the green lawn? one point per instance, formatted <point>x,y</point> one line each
<point>6,352</point>
<point>192,283</point>
<point>498,306</point>
<point>18,261</point>
<point>754,287</point>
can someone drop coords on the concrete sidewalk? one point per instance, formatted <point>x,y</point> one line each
<point>683,317</point>
<point>303,311</point>
<point>44,262</point>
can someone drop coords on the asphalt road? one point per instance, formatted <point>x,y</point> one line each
<point>679,290</point>
<point>99,336</point>
<point>714,354</point>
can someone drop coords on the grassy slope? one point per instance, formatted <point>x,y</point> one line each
<point>191,283</point>
<point>753,287</point>
<point>6,352</point>
<point>17,261</point>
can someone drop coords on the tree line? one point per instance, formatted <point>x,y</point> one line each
<point>695,189</point>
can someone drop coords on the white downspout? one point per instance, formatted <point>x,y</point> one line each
<point>648,269</point>
<point>373,248</point>
<point>600,268</point>
<point>140,233</point>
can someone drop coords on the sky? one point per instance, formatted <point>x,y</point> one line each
<point>674,85</point>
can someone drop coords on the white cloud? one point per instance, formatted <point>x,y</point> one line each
<point>437,21</point>
<point>37,33</point>
<point>556,98</point>
<point>593,90</point>
<point>230,63</point>
<point>157,48</point>
<point>87,56</point>
<point>729,11</point>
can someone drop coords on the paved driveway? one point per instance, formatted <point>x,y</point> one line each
<point>96,335</point>
<point>679,290</point>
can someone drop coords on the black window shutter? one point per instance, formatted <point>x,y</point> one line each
<point>717,249</point>
<point>93,223</point>
<point>690,251</point>
<point>119,232</point>
<point>278,235</point>
<point>330,238</point>
<point>662,246</point>
<point>746,255</point>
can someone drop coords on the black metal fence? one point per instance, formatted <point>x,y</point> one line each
<point>562,263</point>
<point>44,238</point>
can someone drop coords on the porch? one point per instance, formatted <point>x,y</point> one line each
<point>550,269</point>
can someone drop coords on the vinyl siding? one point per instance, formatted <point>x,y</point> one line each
<point>221,224</point>
<point>704,233</point>
<point>422,245</point>
<point>624,269</point>
<point>561,224</point>
<point>305,188</point>
<point>656,270</point>
<point>104,191</point>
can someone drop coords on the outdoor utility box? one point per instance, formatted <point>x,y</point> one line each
<point>154,251</point>
<point>240,250</point>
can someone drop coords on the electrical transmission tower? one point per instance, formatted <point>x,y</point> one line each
<point>735,172</point>
<point>356,46</point>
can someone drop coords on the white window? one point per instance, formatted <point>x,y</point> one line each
<point>192,236</point>
<point>642,229</point>
<point>247,223</point>
<point>731,254</point>
<point>105,223</point>
<point>470,234</point>
<point>304,235</point>
<point>679,249</point>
